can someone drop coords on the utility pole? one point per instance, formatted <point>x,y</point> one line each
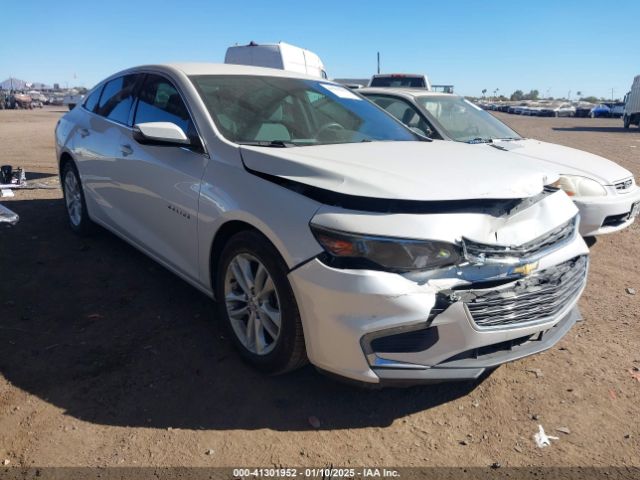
<point>612,95</point>
<point>378,62</point>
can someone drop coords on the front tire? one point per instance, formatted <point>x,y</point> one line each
<point>74,200</point>
<point>626,122</point>
<point>257,304</point>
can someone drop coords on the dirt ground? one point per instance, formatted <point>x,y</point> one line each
<point>107,359</point>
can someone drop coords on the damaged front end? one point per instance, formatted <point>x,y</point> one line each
<point>512,292</point>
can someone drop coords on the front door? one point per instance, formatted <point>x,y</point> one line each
<point>159,185</point>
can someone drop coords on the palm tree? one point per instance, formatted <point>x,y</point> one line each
<point>484,90</point>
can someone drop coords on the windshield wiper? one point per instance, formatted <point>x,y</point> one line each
<point>269,143</point>
<point>480,140</point>
<point>509,139</point>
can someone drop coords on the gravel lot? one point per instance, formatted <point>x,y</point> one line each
<point>107,359</point>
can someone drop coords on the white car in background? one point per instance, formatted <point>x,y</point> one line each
<point>326,229</point>
<point>605,192</point>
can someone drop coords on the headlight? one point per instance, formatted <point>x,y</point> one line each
<point>576,186</point>
<point>350,250</point>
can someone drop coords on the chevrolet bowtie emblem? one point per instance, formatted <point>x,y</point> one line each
<point>526,269</point>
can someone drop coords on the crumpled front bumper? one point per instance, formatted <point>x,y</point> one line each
<point>342,310</point>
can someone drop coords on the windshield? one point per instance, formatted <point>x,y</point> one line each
<point>281,111</point>
<point>462,121</point>
<point>398,81</point>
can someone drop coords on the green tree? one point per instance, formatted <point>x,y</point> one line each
<point>532,95</point>
<point>517,95</point>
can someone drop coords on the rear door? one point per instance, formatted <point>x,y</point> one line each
<point>160,184</point>
<point>106,113</point>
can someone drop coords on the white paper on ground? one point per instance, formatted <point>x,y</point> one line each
<point>542,439</point>
<point>7,192</point>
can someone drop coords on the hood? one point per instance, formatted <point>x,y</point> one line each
<point>422,171</point>
<point>568,160</point>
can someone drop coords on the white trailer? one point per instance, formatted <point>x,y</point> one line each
<point>277,55</point>
<point>632,105</point>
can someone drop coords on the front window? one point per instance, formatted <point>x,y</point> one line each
<point>289,111</point>
<point>117,98</point>
<point>462,121</point>
<point>159,101</point>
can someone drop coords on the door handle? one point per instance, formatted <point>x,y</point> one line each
<point>126,150</point>
<point>83,132</point>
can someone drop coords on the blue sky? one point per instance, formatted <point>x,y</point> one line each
<point>578,45</point>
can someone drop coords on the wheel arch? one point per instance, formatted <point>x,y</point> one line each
<point>220,240</point>
<point>65,157</point>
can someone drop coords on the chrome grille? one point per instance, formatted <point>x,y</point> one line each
<point>624,185</point>
<point>534,298</point>
<point>481,252</point>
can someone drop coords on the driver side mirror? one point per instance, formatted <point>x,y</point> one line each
<point>160,133</point>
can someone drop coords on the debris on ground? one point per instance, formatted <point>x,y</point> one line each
<point>209,452</point>
<point>7,216</point>
<point>536,371</point>
<point>535,416</point>
<point>94,316</point>
<point>612,394</point>
<point>6,462</point>
<point>635,373</point>
<point>630,291</point>
<point>542,439</point>
<point>314,422</point>
<point>564,430</point>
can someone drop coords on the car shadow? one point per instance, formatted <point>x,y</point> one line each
<point>593,129</point>
<point>97,329</point>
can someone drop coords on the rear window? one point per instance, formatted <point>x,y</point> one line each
<point>398,81</point>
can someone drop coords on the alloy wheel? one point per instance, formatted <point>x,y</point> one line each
<point>73,198</point>
<point>252,304</point>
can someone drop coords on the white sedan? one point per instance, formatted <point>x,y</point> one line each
<point>325,228</point>
<point>605,192</point>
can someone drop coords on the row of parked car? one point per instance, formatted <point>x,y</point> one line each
<point>565,109</point>
<point>387,235</point>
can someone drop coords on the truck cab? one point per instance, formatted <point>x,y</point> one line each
<point>400,80</point>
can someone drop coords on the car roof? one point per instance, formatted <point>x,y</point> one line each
<point>405,92</point>
<point>219,69</point>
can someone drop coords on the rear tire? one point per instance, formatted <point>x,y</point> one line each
<point>626,122</point>
<point>254,296</point>
<point>74,200</point>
